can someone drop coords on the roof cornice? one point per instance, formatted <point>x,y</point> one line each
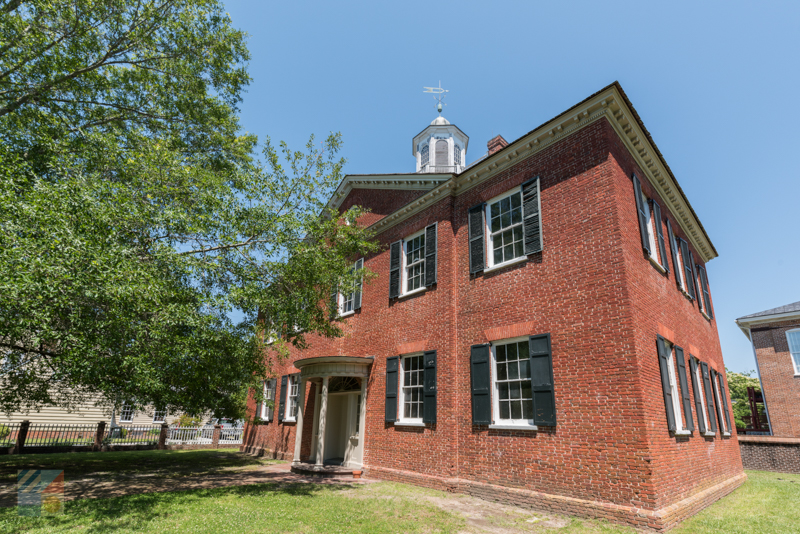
<point>609,103</point>
<point>746,323</point>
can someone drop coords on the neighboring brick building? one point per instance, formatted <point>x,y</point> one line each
<point>775,336</point>
<point>527,335</point>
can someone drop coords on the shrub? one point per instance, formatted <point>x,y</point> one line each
<point>4,431</point>
<point>189,420</point>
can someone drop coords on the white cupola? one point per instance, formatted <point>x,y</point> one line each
<point>440,148</point>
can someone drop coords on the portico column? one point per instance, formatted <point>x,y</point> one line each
<point>323,409</point>
<point>298,435</point>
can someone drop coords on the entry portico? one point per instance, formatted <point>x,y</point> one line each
<point>339,409</point>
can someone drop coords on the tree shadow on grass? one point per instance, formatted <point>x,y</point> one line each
<point>144,512</point>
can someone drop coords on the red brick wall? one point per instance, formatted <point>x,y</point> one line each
<point>680,466</point>
<point>781,387</point>
<point>603,304</point>
<point>381,202</point>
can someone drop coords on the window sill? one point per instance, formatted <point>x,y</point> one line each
<point>415,292</point>
<point>705,315</point>
<point>726,434</point>
<point>657,265</point>
<point>285,421</point>
<point>408,423</point>
<point>682,432</point>
<point>514,427</point>
<point>506,264</point>
<point>709,434</point>
<point>347,314</point>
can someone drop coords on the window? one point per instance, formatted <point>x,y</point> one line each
<point>793,337</point>
<point>512,392</point>
<point>504,221</point>
<point>673,385</point>
<point>716,384</point>
<point>679,275</point>
<point>414,260</point>
<point>441,153</point>
<point>648,216</point>
<point>457,155</point>
<point>269,395</point>
<point>699,394</point>
<point>126,413</point>
<point>350,302</point>
<point>412,370</point>
<point>159,416</point>
<point>291,405</point>
<point>424,156</point>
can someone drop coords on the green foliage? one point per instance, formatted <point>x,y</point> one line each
<point>189,420</point>
<point>136,219</point>
<point>737,385</point>
<point>4,431</point>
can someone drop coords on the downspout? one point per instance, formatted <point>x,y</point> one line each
<point>758,371</point>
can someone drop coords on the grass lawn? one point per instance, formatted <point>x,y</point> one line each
<point>78,465</point>
<point>767,502</point>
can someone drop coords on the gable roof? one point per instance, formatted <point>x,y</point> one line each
<point>610,102</point>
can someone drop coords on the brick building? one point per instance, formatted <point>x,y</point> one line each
<point>540,331</point>
<point>775,336</point>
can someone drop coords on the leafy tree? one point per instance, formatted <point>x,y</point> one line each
<point>136,218</point>
<point>737,385</point>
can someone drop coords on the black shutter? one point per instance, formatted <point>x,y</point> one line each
<point>687,401</point>
<point>357,296</point>
<point>712,418</point>
<point>706,294</point>
<point>724,399</point>
<point>476,246</point>
<point>663,364</point>
<point>395,250</point>
<point>532,217</point>
<point>431,245</point>
<point>688,268</point>
<point>391,388</point>
<point>481,374</point>
<point>429,387</point>
<point>694,282</point>
<point>282,407</point>
<point>698,400</point>
<point>673,245</point>
<point>544,397</point>
<point>640,207</point>
<point>259,404</point>
<point>334,304</point>
<point>660,235</point>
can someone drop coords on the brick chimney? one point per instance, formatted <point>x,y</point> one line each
<point>495,144</point>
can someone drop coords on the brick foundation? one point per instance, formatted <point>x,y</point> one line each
<point>764,453</point>
<point>660,520</point>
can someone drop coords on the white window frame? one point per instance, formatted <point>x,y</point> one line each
<point>292,390</point>
<point>122,409</point>
<point>402,388</point>
<point>676,393</point>
<point>487,218</point>
<point>723,428</point>
<point>794,355</point>
<point>342,299</point>
<point>404,274</point>
<point>269,392</point>
<point>457,155</point>
<point>497,422</point>
<point>704,405</point>
<point>156,419</point>
<point>424,156</point>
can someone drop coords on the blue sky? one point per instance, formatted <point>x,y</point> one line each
<point>715,83</point>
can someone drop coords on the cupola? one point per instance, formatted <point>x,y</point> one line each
<point>440,148</point>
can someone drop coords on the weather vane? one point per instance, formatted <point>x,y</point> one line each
<point>441,94</point>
